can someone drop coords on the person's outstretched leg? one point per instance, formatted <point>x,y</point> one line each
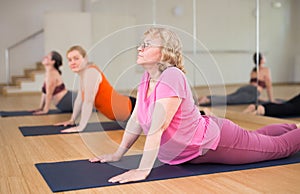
<point>275,129</point>
<point>239,146</point>
<point>251,109</point>
<point>244,95</point>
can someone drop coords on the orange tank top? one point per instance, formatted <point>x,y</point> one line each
<point>109,102</point>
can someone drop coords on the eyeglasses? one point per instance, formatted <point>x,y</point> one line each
<point>146,45</point>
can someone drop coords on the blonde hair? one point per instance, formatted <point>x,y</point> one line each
<point>171,48</point>
<point>77,48</point>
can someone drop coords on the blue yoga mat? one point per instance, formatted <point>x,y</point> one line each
<point>52,130</point>
<point>287,116</point>
<point>81,174</point>
<point>222,104</point>
<point>27,113</point>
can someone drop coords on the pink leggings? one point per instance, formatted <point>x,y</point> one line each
<point>239,146</point>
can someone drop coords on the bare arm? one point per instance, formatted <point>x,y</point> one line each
<point>42,103</point>
<point>163,113</point>
<point>269,85</point>
<point>76,107</point>
<point>50,86</point>
<point>131,134</point>
<point>90,83</point>
<point>47,98</point>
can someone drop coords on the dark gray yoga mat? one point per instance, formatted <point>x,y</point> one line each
<point>27,113</point>
<point>81,174</point>
<point>52,130</point>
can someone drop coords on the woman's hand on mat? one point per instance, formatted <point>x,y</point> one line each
<point>35,110</point>
<point>40,112</point>
<point>130,176</point>
<point>65,123</point>
<point>106,158</point>
<point>70,130</point>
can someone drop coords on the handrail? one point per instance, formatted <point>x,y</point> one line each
<point>7,50</point>
<point>228,51</point>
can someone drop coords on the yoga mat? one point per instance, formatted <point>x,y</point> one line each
<point>287,116</point>
<point>51,129</point>
<point>27,113</point>
<point>81,174</point>
<point>222,104</point>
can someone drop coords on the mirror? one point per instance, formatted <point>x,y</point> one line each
<point>279,24</point>
<point>219,36</point>
<point>219,39</point>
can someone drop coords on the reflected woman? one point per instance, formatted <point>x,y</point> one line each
<point>259,80</point>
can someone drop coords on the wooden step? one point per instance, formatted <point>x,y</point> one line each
<point>25,83</point>
<point>30,73</point>
<point>2,85</point>
<point>10,90</point>
<point>24,88</point>
<point>40,66</point>
<point>16,90</point>
<point>22,84</point>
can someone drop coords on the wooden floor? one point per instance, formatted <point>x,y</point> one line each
<point>18,155</point>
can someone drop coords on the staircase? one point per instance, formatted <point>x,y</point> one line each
<point>30,82</point>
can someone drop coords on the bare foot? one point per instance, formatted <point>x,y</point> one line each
<point>203,100</point>
<point>250,109</point>
<point>298,125</point>
<point>260,110</point>
<point>208,112</point>
<point>96,159</point>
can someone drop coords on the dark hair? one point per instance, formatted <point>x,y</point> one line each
<point>260,57</point>
<point>58,60</point>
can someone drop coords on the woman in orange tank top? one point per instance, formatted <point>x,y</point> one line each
<point>95,90</point>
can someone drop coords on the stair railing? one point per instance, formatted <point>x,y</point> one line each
<point>8,49</point>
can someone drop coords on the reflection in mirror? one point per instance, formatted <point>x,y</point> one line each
<point>219,39</point>
<point>257,54</point>
<point>278,42</point>
<point>229,33</point>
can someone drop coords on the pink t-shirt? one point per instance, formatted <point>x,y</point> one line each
<point>187,135</point>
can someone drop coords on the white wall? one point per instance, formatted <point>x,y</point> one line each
<point>296,43</point>
<point>63,30</point>
<point>226,28</point>
<point>19,19</point>
<point>296,25</point>
<point>114,48</point>
<point>276,39</point>
<point>231,38</point>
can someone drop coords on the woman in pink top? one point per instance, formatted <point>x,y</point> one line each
<point>175,130</point>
